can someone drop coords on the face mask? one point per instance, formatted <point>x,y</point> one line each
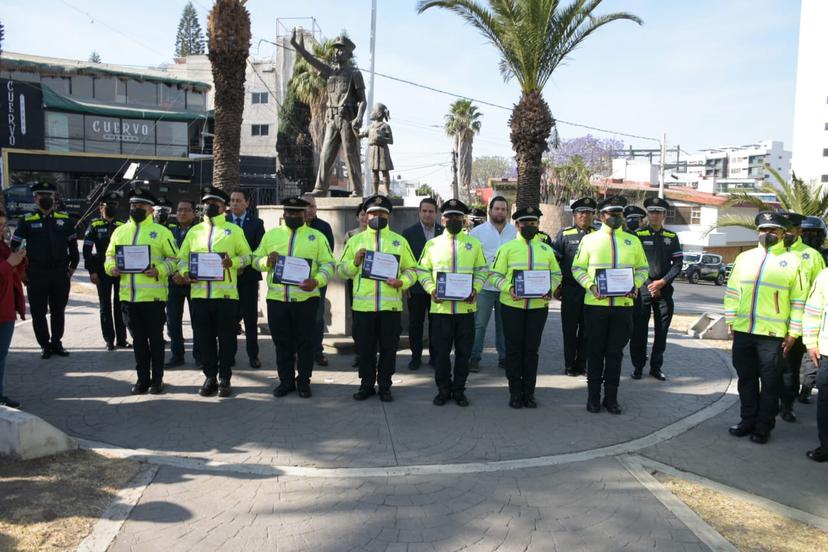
<point>45,202</point>
<point>768,240</point>
<point>454,226</point>
<point>294,222</point>
<point>615,221</point>
<point>788,240</point>
<point>633,224</point>
<point>528,232</point>
<point>213,210</point>
<point>109,211</point>
<point>377,223</point>
<point>137,214</point>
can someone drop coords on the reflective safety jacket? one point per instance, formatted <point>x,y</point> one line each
<point>138,288</point>
<point>519,254</point>
<point>766,292</point>
<point>374,295</point>
<point>216,235</point>
<point>304,242</point>
<point>608,248</point>
<point>814,330</point>
<point>446,253</point>
<point>812,261</point>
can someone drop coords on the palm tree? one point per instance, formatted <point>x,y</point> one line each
<point>462,123</point>
<point>795,196</point>
<point>309,87</point>
<point>228,37</point>
<point>533,37</point>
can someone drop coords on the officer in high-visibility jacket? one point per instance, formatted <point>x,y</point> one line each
<point>144,294</point>
<point>608,313</point>
<point>451,253</point>
<point>570,293</point>
<point>815,337</point>
<point>95,244</point>
<point>377,306</point>
<point>812,265</point>
<point>664,255</point>
<point>524,313</point>
<point>214,300</point>
<point>292,304</point>
<point>763,304</point>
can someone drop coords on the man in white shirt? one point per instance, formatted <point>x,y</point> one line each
<point>492,234</point>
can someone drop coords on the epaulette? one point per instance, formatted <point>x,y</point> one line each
<point>669,234</point>
<point>642,232</point>
<point>119,223</point>
<point>172,225</point>
<point>33,216</point>
<point>570,231</point>
<point>61,216</point>
<point>98,222</point>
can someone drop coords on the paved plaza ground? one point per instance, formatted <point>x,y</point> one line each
<point>252,472</point>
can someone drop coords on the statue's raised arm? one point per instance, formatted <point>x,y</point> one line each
<point>314,62</point>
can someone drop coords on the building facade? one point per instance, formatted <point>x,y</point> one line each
<point>810,132</point>
<point>746,162</point>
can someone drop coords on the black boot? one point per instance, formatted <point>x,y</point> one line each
<point>611,400</point>
<point>594,397</point>
<point>209,388</point>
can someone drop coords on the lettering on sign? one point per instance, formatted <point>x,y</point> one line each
<point>125,131</point>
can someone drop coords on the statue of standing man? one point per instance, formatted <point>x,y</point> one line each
<point>344,111</point>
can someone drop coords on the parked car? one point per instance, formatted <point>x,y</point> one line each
<point>728,269</point>
<point>703,266</point>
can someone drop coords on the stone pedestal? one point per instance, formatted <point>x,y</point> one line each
<point>341,214</point>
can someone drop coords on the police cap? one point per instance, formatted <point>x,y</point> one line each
<point>612,203</point>
<point>634,211</point>
<point>813,223</point>
<point>657,204</point>
<point>770,219</point>
<point>377,202</point>
<point>110,198</point>
<point>294,204</point>
<point>140,195</point>
<point>584,205</point>
<point>211,192</point>
<point>43,188</point>
<point>527,213</point>
<point>454,207</point>
<point>795,218</point>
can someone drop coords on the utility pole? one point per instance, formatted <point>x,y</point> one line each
<point>366,168</point>
<point>663,161</point>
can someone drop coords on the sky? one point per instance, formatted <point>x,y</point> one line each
<point>706,72</point>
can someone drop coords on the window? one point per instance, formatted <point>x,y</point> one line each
<point>64,131</point>
<point>695,215</point>
<point>142,93</point>
<point>196,101</point>
<point>172,139</point>
<point>58,84</point>
<point>82,87</point>
<point>105,89</point>
<point>825,152</point>
<point>172,97</point>
<point>259,130</point>
<point>824,178</point>
<point>259,97</point>
<point>826,126</point>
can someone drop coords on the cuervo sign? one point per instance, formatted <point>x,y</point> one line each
<point>120,130</point>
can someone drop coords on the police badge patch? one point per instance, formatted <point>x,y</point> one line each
<point>396,243</point>
<point>153,234</point>
<point>311,237</point>
<point>227,232</point>
<point>806,256</point>
<point>627,242</point>
<point>668,241</point>
<point>783,263</point>
<point>468,247</point>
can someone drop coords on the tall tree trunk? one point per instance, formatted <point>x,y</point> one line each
<point>229,37</point>
<point>464,165</point>
<point>531,123</point>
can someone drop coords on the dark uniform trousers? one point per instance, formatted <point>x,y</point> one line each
<point>572,322</point>
<point>522,330</point>
<point>457,331</point>
<point>662,311</point>
<point>790,374</point>
<point>178,295</point>
<point>48,291</point>
<point>758,361</point>
<point>292,326</point>
<point>374,330</point>
<point>249,313</point>
<point>419,305</point>
<point>145,321</point>
<point>822,401</point>
<point>112,321</point>
<point>214,329</point>
<point>608,330</point>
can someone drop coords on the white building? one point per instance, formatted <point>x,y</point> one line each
<point>746,162</point>
<point>265,89</point>
<point>810,133</point>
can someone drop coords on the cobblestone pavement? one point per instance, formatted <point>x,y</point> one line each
<point>589,504</point>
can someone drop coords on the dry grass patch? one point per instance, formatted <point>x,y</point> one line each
<point>747,526</point>
<point>52,503</point>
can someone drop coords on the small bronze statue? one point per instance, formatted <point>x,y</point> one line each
<point>344,112</point>
<point>379,156</point>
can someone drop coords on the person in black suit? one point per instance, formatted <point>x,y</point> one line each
<point>318,224</point>
<point>249,278</point>
<point>419,302</point>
